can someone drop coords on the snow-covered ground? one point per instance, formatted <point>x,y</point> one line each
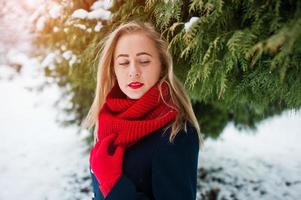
<point>39,159</point>
<point>265,164</point>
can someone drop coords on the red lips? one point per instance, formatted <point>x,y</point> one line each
<point>135,85</point>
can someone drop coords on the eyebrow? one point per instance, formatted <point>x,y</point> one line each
<point>138,54</point>
<point>143,53</point>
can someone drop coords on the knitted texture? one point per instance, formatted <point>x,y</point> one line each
<point>128,120</point>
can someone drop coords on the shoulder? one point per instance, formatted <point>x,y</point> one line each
<point>186,141</point>
<point>183,137</point>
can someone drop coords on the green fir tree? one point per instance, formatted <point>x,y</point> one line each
<point>239,60</point>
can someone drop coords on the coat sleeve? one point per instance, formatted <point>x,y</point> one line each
<point>174,167</point>
<point>124,189</point>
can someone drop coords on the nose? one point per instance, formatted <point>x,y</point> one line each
<point>134,71</point>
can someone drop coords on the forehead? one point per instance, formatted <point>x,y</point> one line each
<point>132,43</point>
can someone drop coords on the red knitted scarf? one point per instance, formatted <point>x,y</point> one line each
<point>133,119</point>
<point>130,120</point>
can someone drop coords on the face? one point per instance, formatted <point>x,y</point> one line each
<point>137,64</point>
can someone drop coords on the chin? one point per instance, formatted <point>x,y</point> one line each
<point>134,96</point>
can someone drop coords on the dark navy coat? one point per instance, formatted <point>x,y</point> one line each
<point>154,168</point>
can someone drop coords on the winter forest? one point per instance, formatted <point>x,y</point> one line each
<point>240,62</point>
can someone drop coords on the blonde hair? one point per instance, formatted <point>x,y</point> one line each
<point>106,79</point>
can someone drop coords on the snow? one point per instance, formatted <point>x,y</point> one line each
<point>80,26</point>
<point>251,165</point>
<point>188,24</point>
<point>16,57</point>
<point>39,159</point>
<point>42,12</point>
<point>80,13</point>
<point>41,23</point>
<point>55,11</point>
<point>68,55</point>
<point>99,14</point>
<point>50,60</point>
<point>98,26</point>
<point>6,72</point>
<point>105,4</point>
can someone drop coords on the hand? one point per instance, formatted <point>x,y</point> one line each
<point>107,168</point>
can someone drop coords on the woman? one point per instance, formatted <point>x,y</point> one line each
<point>146,134</point>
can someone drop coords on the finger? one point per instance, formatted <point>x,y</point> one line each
<point>118,156</point>
<point>119,151</point>
<point>106,144</point>
<point>107,141</point>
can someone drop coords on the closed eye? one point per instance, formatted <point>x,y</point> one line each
<point>124,63</point>
<point>145,62</point>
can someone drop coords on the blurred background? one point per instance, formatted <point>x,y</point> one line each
<point>239,61</point>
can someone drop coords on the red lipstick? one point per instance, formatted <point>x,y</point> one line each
<point>135,85</point>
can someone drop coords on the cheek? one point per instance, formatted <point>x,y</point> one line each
<point>119,75</point>
<point>154,74</point>
<point>151,77</point>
